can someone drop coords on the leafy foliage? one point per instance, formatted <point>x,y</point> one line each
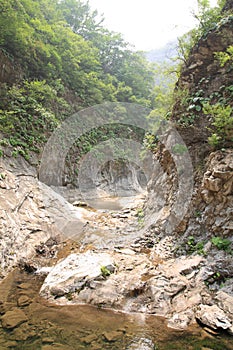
<point>208,18</point>
<point>194,246</point>
<point>226,56</point>
<point>222,243</point>
<point>63,39</point>
<point>28,114</point>
<point>162,95</point>
<point>222,120</point>
<point>69,61</point>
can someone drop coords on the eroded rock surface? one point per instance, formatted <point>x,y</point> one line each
<point>23,219</point>
<point>137,283</point>
<point>212,316</point>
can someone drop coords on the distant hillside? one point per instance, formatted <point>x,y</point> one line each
<point>164,53</point>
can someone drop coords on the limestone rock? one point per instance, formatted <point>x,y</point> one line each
<point>225,302</point>
<point>72,273</point>
<point>142,344</point>
<point>79,204</point>
<point>213,317</point>
<point>89,338</point>
<point>13,318</point>
<point>212,184</point>
<point>24,220</point>
<point>136,285</point>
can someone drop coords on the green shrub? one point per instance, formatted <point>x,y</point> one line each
<point>222,121</point>
<point>225,56</point>
<point>105,271</point>
<point>194,246</point>
<point>222,243</point>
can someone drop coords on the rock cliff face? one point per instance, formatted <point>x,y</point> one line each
<point>206,229</point>
<point>202,80</point>
<point>24,222</point>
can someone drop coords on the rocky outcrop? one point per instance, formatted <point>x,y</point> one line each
<point>204,80</point>
<point>202,64</point>
<point>120,179</point>
<point>212,316</point>
<point>217,193</point>
<point>23,220</point>
<point>132,282</point>
<point>206,228</point>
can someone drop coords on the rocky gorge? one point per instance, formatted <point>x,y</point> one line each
<point>130,250</point>
<point>119,261</point>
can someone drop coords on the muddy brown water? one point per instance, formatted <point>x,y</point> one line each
<point>115,203</point>
<point>53,327</point>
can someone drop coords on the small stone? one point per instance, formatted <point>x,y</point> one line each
<point>213,184</point>
<point>58,292</point>
<point>24,286</point>
<point>111,268</point>
<point>142,344</point>
<point>23,332</point>
<point>23,300</point>
<point>13,318</point>
<point>210,331</point>
<point>112,336</point>
<point>79,204</point>
<point>225,175</point>
<point>225,302</point>
<point>89,338</point>
<point>2,308</point>
<point>96,346</point>
<point>55,346</point>
<point>47,340</point>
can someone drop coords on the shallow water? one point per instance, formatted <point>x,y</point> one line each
<point>85,327</point>
<point>105,203</point>
<point>115,203</point>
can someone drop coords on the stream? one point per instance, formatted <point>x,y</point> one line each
<point>52,327</point>
<point>85,327</point>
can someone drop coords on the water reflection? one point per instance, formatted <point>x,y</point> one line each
<point>51,327</point>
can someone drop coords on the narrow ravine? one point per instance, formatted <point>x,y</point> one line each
<point>101,285</point>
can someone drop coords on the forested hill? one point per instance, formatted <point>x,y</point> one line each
<point>54,39</point>
<point>57,58</point>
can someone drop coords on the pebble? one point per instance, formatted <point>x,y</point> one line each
<point>23,300</point>
<point>24,286</point>
<point>112,336</point>
<point>89,338</point>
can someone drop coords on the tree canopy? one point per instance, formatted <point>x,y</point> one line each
<point>67,61</point>
<point>65,40</point>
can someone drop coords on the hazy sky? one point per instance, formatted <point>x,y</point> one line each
<point>147,24</point>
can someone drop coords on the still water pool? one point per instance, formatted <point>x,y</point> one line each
<point>52,327</point>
